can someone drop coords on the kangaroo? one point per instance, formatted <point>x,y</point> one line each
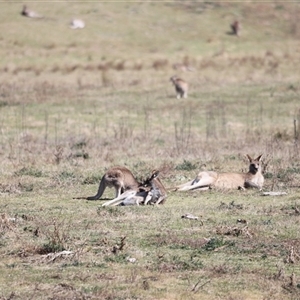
<point>155,195</point>
<point>208,179</point>
<point>235,27</point>
<point>181,87</point>
<point>29,13</point>
<point>77,24</point>
<point>130,197</point>
<point>118,177</point>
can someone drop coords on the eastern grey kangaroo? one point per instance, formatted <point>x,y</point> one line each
<point>181,87</point>
<point>29,13</point>
<point>156,194</point>
<point>119,178</point>
<point>235,27</point>
<point>208,179</point>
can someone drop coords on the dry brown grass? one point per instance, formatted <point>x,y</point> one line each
<point>73,105</point>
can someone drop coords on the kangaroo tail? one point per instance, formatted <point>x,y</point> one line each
<point>101,189</point>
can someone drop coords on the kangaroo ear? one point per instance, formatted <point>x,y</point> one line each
<point>155,173</point>
<point>249,157</point>
<point>259,157</point>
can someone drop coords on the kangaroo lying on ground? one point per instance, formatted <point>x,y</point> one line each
<point>77,24</point>
<point>157,193</point>
<point>117,177</point>
<point>208,179</point>
<point>29,13</point>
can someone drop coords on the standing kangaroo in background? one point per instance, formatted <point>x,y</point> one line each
<point>235,27</point>
<point>157,193</point>
<point>181,87</point>
<point>207,179</point>
<point>118,177</point>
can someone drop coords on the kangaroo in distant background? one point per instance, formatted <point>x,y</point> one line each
<point>235,27</point>
<point>156,194</point>
<point>118,177</point>
<point>207,179</point>
<point>77,24</point>
<point>181,87</point>
<point>29,13</point>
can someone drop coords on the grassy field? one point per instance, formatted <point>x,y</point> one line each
<point>76,102</point>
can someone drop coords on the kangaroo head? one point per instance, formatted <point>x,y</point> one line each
<point>173,78</point>
<point>155,174</point>
<point>255,164</point>
<point>148,181</point>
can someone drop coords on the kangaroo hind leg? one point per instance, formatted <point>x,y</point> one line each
<point>202,182</point>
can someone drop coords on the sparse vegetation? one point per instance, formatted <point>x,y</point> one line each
<point>74,103</point>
